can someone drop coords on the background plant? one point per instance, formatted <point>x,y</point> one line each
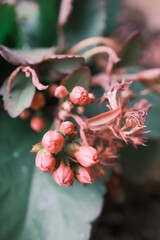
<point>29,25</point>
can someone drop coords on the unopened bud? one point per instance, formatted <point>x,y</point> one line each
<point>87,156</point>
<point>67,127</point>
<point>61,92</point>
<point>63,175</point>
<point>38,101</point>
<point>79,96</point>
<point>53,141</point>
<point>45,161</point>
<point>52,89</point>
<point>37,124</point>
<point>84,175</point>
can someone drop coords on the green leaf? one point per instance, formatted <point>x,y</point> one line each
<point>137,164</point>
<point>39,24</point>
<point>131,51</point>
<point>42,58</point>
<point>80,77</point>
<point>113,12</point>
<point>16,168</point>
<point>25,57</point>
<point>36,207</point>
<point>21,94</point>
<point>55,212</point>
<point>65,64</point>
<point>88,19</point>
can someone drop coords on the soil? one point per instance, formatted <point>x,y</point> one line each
<point>136,217</point>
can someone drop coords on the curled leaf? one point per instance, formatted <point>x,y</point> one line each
<point>35,79</point>
<point>27,71</point>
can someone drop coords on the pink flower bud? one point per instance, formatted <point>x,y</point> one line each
<point>91,97</point>
<point>67,127</point>
<point>38,101</point>
<point>84,175</point>
<point>67,106</point>
<point>52,89</point>
<point>62,114</point>
<point>25,114</point>
<point>79,96</point>
<point>52,141</point>
<point>61,92</point>
<point>86,156</point>
<point>63,175</point>
<point>37,124</point>
<point>45,161</point>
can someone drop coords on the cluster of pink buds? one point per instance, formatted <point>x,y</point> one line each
<point>37,123</point>
<point>78,96</point>
<point>65,159</point>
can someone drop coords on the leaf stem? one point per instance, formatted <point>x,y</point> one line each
<point>93,41</point>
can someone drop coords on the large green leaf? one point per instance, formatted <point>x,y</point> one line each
<point>32,206</point>
<point>80,77</point>
<point>55,212</point>
<point>88,19</point>
<point>16,168</point>
<point>21,94</point>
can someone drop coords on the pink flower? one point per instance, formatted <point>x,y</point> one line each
<point>67,127</point>
<point>52,141</point>
<point>61,92</point>
<point>45,161</point>
<point>38,101</point>
<point>37,124</point>
<point>84,175</point>
<point>63,175</point>
<point>86,156</point>
<point>79,96</point>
